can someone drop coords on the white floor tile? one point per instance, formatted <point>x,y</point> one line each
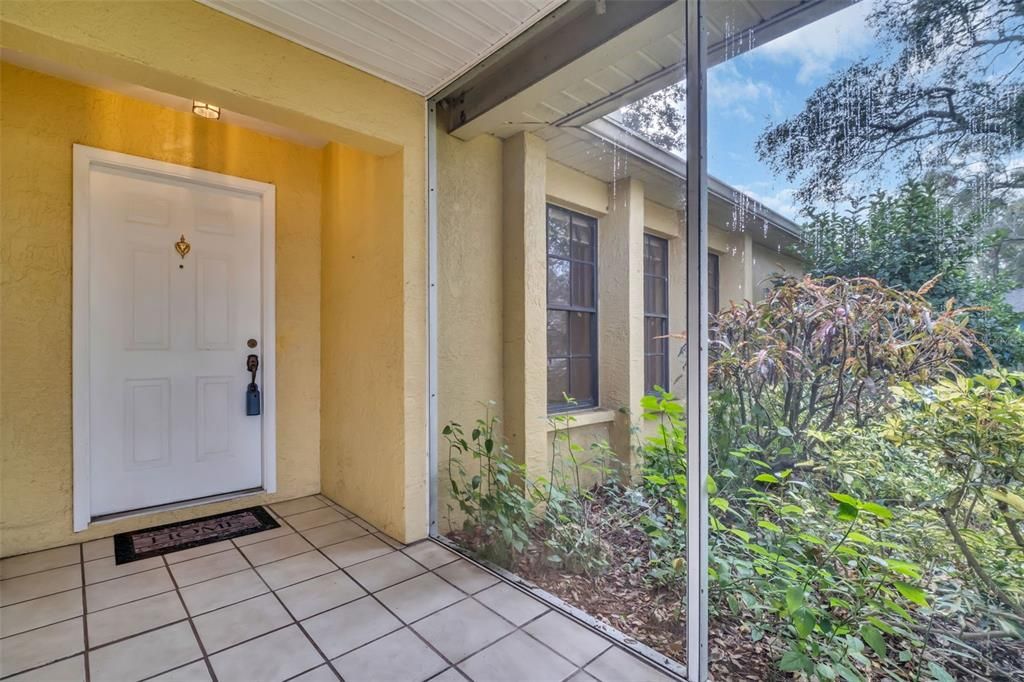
<point>130,619</point>
<point>236,623</point>
<point>213,594</point>
<point>39,561</point>
<point>123,590</point>
<point>342,629</point>
<point>44,645</point>
<point>145,655</point>
<point>34,585</point>
<point>29,615</point>
<point>399,656</point>
<point>294,569</point>
<point>273,657</point>
<point>320,594</point>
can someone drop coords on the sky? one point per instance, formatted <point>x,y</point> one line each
<point>768,84</point>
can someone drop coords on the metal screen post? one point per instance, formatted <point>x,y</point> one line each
<point>432,276</point>
<point>696,345</point>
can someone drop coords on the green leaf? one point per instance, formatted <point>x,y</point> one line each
<point>939,673</point>
<point>741,534</point>
<point>825,671</point>
<point>768,525</point>
<point>911,593</point>
<point>904,568</point>
<point>881,625</point>
<point>766,478</point>
<point>876,509</point>
<point>845,499</point>
<point>874,639</point>
<point>846,512</point>
<point>794,661</point>
<point>804,622</point>
<point>1013,500</point>
<point>794,598</point>
<point>719,502</point>
<point>712,486</point>
<point>847,674</point>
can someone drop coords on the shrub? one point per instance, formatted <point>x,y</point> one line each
<point>497,513</point>
<point>818,352</point>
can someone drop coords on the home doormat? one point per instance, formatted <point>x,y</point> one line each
<point>173,537</point>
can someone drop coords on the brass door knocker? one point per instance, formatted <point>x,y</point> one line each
<point>182,247</point>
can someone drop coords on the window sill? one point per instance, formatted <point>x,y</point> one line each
<point>584,417</point>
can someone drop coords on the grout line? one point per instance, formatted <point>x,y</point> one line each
<point>85,617</point>
<point>41,570</point>
<point>191,624</point>
<point>637,650</point>
<point>284,606</point>
<point>382,605</point>
<point>177,667</point>
<point>43,665</point>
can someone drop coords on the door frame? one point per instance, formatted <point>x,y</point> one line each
<point>85,159</point>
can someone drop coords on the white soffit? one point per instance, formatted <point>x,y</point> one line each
<point>421,45</point>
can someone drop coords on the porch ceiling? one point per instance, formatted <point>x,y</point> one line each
<point>642,59</point>
<point>420,45</point>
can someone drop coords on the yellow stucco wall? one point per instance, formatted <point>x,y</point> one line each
<point>469,334</point>
<point>768,262</point>
<point>184,48</point>
<point>42,117</point>
<point>568,187</point>
<point>363,451</point>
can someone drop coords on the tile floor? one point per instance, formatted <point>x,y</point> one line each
<point>324,597</point>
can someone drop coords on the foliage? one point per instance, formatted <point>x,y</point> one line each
<point>659,117</point>
<point>945,93</point>
<point>497,513</point>
<point>817,352</point>
<point>569,536</point>
<point>973,428</point>
<point>914,237</point>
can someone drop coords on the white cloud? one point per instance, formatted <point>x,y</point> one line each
<point>729,91</point>
<point>819,45</point>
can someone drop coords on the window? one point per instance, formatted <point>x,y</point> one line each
<point>655,313</point>
<point>713,301</point>
<point>572,309</point>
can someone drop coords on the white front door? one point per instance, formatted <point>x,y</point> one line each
<point>168,340</point>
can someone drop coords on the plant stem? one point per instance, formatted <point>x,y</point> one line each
<point>972,561</point>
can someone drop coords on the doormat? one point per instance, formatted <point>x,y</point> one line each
<point>174,537</point>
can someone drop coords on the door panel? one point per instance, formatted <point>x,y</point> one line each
<point>168,341</point>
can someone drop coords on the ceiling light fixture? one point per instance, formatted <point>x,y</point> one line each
<point>205,109</point>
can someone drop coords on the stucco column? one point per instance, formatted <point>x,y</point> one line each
<point>524,356</point>
<point>620,249</point>
<point>748,267</point>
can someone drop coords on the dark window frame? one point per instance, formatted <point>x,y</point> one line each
<point>591,401</point>
<point>661,316</point>
<point>714,283</point>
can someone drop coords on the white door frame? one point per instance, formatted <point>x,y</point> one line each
<point>85,159</point>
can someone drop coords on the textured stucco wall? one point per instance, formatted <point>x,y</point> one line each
<point>568,187</point>
<point>620,310</point>
<point>469,207</point>
<point>524,302</point>
<point>363,439</point>
<point>768,262</point>
<point>42,117</point>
